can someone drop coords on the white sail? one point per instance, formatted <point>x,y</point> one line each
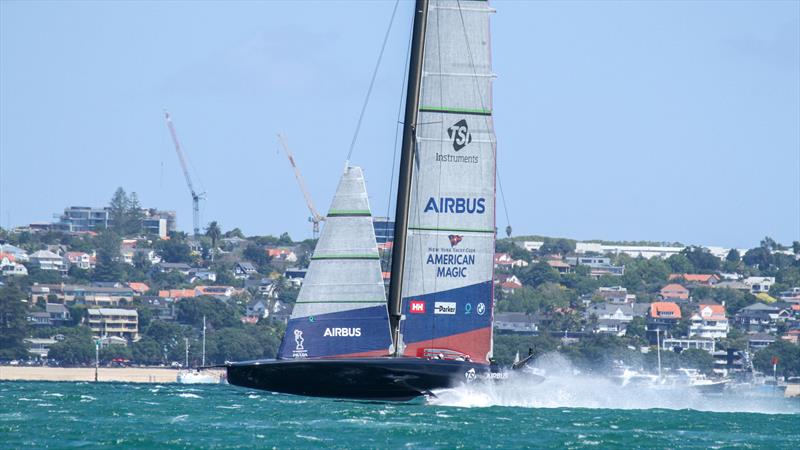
<point>341,307</point>
<point>447,282</point>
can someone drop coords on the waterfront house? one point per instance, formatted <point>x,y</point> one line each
<point>757,341</point>
<point>662,319</point>
<point>81,260</point>
<point>39,348</point>
<point>709,321</point>
<point>758,317</point>
<point>674,291</point>
<point>123,323</point>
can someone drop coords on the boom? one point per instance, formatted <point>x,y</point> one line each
<point>315,218</point>
<point>182,158</point>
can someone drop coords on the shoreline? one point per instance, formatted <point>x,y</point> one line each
<point>105,374</point>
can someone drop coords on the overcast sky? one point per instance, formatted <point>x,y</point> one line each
<point>673,121</point>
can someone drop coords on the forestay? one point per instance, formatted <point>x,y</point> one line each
<point>341,308</point>
<point>447,283</point>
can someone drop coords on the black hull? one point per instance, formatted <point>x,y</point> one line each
<point>355,378</point>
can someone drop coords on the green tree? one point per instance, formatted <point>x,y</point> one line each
<point>759,257</point>
<point>110,352</point>
<point>119,210</point>
<point>214,233</point>
<point>109,267</point>
<point>258,256</point>
<point>13,323</point>
<point>796,247</point>
<point>680,263</point>
<point>539,273</point>
<point>174,250</point>
<point>218,313</point>
<point>637,328</point>
<point>788,355</point>
<point>733,256</point>
<point>134,216</point>
<point>701,258</point>
<point>234,344</point>
<point>77,348</point>
<point>234,233</point>
<point>147,351</point>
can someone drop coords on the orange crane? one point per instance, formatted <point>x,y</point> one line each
<point>315,218</point>
<point>195,196</point>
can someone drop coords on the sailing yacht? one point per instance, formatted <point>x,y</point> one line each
<point>344,339</point>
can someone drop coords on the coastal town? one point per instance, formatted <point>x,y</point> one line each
<point>119,286</point>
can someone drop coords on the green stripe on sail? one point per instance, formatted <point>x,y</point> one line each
<point>353,256</point>
<point>349,212</point>
<point>463,230</point>
<point>441,109</point>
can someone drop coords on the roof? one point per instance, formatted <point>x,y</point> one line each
<point>761,337</point>
<point>113,312</point>
<point>657,308</point>
<point>138,287</point>
<point>513,317</point>
<point>759,307</point>
<point>247,266</point>
<point>557,263</point>
<point>44,254</point>
<point>674,287</point>
<point>55,308</point>
<point>717,312</point>
<point>177,293</point>
<point>167,265</point>
<point>693,277</point>
<point>510,285</point>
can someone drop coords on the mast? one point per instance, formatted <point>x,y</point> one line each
<point>204,341</point>
<point>406,164</point>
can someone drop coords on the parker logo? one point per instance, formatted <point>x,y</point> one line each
<point>417,307</point>
<point>455,239</point>
<point>460,134</point>
<point>444,308</point>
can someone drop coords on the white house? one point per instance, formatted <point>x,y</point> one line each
<point>709,321</point>
<point>759,284</point>
<point>47,260</point>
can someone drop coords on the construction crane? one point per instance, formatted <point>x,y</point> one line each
<point>195,196</point>
<point>315,218</point>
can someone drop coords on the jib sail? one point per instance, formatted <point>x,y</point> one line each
<point>447,283</point>
<point>341,308</point>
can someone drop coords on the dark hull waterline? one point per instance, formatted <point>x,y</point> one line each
<point>356,378</point>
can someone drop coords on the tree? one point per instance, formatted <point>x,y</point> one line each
<point>119,210</point>
<point>536,274</point>
<point>733,256</point>
<point>234,233</point>
<point>108,266</point>
<point>796,247</point>
<point>759,257</point>
<point>111,352</point>
<point>147,351</point>
<point>174,250</point>
<point>234,344</point>
<point>134,216</point>
<point>258,256</point>
<point>788,355</point>
<point>637,328</point>
<point>13,323</point>
<point>77,348</point>
<point>701,258</point>
<point>218,313</point>
<point>214,232</point>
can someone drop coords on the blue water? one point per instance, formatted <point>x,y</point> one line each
<point>88,415</point>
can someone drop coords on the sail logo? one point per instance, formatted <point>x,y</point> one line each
<point>456,205</point>
<point>459,133</point>
<point>342,332</point>
<point>417,307</point>
<point>299,351</point>
<point>470,375</point>
<point>444,308</point>
<point>455,239</point>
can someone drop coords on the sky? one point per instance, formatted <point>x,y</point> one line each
<point>662,121</point>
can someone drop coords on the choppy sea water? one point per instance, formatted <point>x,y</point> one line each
<point>560,413</point>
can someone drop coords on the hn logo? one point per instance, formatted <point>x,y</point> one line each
<point>460,134</point>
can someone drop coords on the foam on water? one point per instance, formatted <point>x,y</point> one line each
<point>564,387</point>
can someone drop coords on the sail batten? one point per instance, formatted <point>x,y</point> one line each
<point>447,287</point>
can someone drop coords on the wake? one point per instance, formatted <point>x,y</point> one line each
<point>564,387</point>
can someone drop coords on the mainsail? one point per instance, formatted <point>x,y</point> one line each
<point>447,293</point>
<point>341,308</point>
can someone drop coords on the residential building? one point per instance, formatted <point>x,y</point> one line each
<point>47,260</point>
<point>686,344</point>
<point>80,260</point>
<point>384,229</point>
<point>39,319</point>
<point>165,267</point>
<point>674,291</point>
<point>760,317</point>
<point>792,336</point>
<point>662,319</point>
<point>560,266</point>
<point>732,284</point>
<point>512,322</point>
<point>81,219</point>
<point>58,313</point>
<point>39,348</point>
<point>122,323</point>
<point>759,284</point>
<point>216,291</point>
<point>200,274</point>
<point>243,270</point>
<point>532,246</point>
<point>598,265</point>
<point>791,296</point>
<point>258,308</point>
<point>613,318</point>
<point>19,254</point>
<point>103,295</point>
<point>505,260</point>
<point>709,321</point>
<point>9,267</point>
<point>282,254</point>
<point>757,341</point>
<point>138,288</point>
<point>616,294</point>
<point>177,294</point>
<point>508,283</point>
<point>696,279</point>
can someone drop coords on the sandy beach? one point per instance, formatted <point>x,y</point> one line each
<point>126,374</point>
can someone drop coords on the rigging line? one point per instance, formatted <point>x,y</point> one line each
<point>372,81</point>
<point>396,134</point>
